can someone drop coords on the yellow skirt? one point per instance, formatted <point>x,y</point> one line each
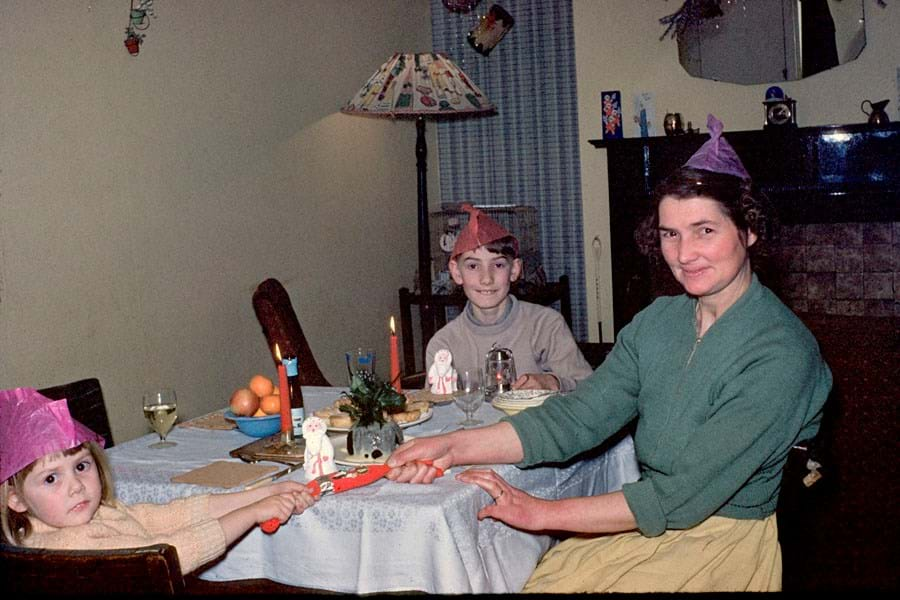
<point>719,554</point>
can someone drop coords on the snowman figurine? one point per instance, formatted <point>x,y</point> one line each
<point>441,374</point>
<point>318,458</point>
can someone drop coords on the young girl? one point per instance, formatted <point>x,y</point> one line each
<point>57,492</point>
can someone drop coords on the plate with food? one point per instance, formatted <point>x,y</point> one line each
<point>413,413</point>
<point>343,422</point>
<point>342,457</point>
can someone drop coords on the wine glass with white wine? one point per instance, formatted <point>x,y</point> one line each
<point>161,411</point>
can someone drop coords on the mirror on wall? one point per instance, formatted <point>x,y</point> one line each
<point>767,41</point>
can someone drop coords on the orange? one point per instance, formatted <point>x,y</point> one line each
<point>270,404</point>
<point>261,385</point>
<point>259,413</point>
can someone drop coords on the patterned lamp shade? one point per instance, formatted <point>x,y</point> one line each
<point>413,85</point>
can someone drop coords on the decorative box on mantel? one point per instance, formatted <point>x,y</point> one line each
<point>837,192</point>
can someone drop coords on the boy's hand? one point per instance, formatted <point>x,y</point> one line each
<point>536,381</point>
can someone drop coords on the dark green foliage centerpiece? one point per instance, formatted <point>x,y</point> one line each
<point>373,434</point>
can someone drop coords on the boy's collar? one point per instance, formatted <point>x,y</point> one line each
<point>510,304</point>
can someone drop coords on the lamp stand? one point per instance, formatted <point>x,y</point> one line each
<point>424,234</point>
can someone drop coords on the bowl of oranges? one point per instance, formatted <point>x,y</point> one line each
<point>255,409</point>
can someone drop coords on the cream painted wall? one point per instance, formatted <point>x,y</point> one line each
<point>617,47</point>
<point>143,198</point>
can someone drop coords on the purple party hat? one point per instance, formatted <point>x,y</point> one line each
<point>716,154</point>
<point>32,426</point>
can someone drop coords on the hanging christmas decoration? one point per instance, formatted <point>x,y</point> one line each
<point>490,30</point>
<point>461,6</point>
<point>692,12</point>
<point>138,20</point>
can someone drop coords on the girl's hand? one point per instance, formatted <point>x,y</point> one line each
<point>279,506</point>
<point>536,381</point>
<point>421,460</point>
<point>511,505</point>
<point>286,486</point>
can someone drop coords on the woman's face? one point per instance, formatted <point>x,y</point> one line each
<point>704,248</point>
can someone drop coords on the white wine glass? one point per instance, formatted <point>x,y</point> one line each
<point>469,395</point>
<point>161,411</point>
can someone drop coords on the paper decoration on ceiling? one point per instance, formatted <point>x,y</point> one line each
<point>138,21</point>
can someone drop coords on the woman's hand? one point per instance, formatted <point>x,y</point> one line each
<point>536,381</point>
<point>419,460</point>
<point>511,505</point>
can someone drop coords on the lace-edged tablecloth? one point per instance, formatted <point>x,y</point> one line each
<point>386,536</point>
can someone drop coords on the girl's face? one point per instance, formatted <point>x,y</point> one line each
<point>485,277</point>
<point>704,248</point>
<point>61,491</point>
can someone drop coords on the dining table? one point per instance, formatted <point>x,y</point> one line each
<point>386,536</point>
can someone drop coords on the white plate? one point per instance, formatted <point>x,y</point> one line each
<point>428,414</point>
<point>342,457</point>
<point>523,397</point>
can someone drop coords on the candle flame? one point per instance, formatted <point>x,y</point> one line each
<point>393,331</point>
<point>277,353</point>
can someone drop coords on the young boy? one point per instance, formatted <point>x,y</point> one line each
<point>485,261</point>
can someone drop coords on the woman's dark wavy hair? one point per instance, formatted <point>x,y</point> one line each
<point>746,206</point>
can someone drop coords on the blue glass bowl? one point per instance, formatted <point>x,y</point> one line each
<point>256,426</point>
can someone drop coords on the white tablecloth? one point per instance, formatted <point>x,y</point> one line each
<point>383,537</point>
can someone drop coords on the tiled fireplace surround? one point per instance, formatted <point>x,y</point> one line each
<point>850,269</point>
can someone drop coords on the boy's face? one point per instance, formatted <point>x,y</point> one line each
<point>485,277</point>
<point>61,491</point>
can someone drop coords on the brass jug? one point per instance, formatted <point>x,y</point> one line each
<point>877,116</point>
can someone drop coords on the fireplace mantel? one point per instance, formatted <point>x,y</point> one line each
<point>814,175</point>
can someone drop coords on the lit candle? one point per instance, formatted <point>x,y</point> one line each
<point>395,359</point>
<point>284,400</point>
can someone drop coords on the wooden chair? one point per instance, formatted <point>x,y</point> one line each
<point>147,570</point>
<point>85,400</point>
<point>414,376</point>
<point>276,315</point>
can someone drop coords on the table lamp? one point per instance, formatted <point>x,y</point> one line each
<point>420,86</point>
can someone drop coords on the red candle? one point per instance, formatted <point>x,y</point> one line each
<point>284,401</point>
<point>395,359</point>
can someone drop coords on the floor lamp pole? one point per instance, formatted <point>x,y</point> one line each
<point>424,234</point>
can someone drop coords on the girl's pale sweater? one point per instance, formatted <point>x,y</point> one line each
<point>184,523</point>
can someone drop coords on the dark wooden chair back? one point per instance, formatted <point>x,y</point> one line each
<point>85,400</point>
<point>552,293</point>
<point>147,570</point>
<point>276,315</point>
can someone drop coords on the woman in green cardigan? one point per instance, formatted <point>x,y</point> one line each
<point>722,379</point>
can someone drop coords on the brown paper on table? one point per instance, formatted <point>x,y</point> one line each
<point>224,474</point>
<point>214,420</point>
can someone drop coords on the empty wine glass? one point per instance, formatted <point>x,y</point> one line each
<point>161,411</point>
<point>469,395</point>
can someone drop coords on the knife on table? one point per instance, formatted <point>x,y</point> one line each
<point>341,481</point>
<point>273,476</point>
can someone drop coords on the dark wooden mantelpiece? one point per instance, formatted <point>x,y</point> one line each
<point>832,174</point>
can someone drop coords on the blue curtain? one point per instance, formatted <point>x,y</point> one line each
<point>528,153</point>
